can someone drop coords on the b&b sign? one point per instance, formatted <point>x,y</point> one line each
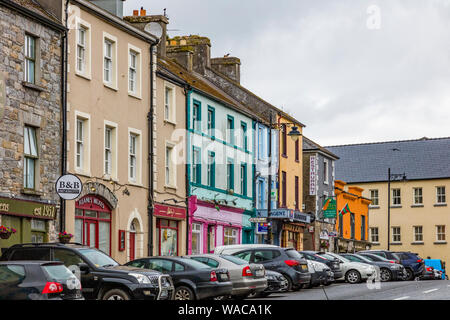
<point>69,187</point>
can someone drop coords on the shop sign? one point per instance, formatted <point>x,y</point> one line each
<point>302,217</point>
<point>262,228</point>
<point>274,195</point>
<point>312,176</point>
<point>69,187</point>
<point>261,213</point>
<point>282,214</point>
<point>90,202</point>
<point>329,208</point>
<point>324,235</point>
<point>258,220</point>
<point>27,209</point>
<point>169,212</point>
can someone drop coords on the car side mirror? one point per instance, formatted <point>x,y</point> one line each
<point>84,268</point>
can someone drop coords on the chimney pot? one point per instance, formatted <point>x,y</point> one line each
<point>135,13</point>
<point>143,12</point>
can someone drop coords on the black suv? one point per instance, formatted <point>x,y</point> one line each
<point>101,276</point>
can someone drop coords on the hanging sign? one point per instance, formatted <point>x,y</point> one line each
<point>312,176</point>
<point>329,208</point>
<point>69,187</point>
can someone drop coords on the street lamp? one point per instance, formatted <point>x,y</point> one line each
<point>294,134</point>
<point>392,176</point>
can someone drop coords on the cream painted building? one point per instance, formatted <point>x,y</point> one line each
<point>107,131</point>
<point>420,181</point>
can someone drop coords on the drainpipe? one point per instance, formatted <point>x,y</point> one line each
<point>64,56</point>
<point>187,93</point>
<point>151,204</point>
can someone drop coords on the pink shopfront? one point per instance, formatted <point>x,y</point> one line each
<point>212,225</point>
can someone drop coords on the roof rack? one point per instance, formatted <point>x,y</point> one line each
<point>44,244</point>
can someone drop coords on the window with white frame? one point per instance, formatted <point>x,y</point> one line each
<point>440,233</point>
<point>169,166</point>
<point>374,236</point>
<point>418,196</point>
<point>440,195</point>
<point>396,236</point>
<point>110,151</point>
<point>396,197</point>
<point>133,157</point>
<point>418,234</point>
<point>325,171</point>
<point>81,49</point>
<point>108,60</point>
<point>230,236</point>
<point>374,197</point>
<point>196,241</point>
<point>260,143</point>
<point>196,166</point>
<point>30,58</point>
<point>31,157</point>
<point>81,143</point>
<point>132,72</point>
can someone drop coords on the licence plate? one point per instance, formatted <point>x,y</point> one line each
<point>259,273</point>
<point>304,267</point>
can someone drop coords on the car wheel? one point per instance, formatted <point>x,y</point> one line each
<point>116,294</point>
<point>385,275</point>
<point>289,283</point>
<point>409,275</point>
<point>184,293</point>
<point>353,276</point>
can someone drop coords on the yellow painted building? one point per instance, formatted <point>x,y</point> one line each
<point>419,175</point>
<point>290,185</point>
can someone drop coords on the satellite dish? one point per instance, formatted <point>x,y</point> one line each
<point>155,29</point>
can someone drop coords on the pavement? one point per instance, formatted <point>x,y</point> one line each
<point>395,290</point>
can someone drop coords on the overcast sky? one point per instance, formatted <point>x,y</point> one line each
<point>351,71</point>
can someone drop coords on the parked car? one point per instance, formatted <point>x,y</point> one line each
<point>192,280</point>
<point>389,270</point>
<point>321,274</point>
<point>437,264</point>
<point>384,253</point>
<point>333,264</point>
<point>286,261</point>
<point>414,265</point>
<point>354,272</point>
<point>246,278</point>
<point>101,276</point>
<point>38,280</point>
<point>429,274</point>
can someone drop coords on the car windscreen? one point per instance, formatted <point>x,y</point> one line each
<point>326,256</point>
<point>293,254</point>
<point>362,259</point>
<point>58,272</point>
<point>375,257</point>
<point>98,258</point>
<point>235,260</point>
<point>195,264</point>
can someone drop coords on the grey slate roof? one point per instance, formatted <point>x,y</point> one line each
<point>311,146</point>
<point>419,159</point>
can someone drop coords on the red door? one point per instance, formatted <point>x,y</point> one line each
<point>90,236</point>
<point>132,245</point>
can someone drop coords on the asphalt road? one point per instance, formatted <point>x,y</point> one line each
<point>395,290</point>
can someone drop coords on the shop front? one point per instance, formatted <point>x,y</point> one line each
<point>213,225</point>
<point>93,223</point>
<point>170,226</point>
<point>290,225</point>
<point>33,221</point>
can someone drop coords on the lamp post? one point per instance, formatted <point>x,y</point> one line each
<point>390,177</point>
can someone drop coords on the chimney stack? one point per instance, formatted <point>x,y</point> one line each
<point>228,66</point>
<point>200,47</point>
<point>140,20</point>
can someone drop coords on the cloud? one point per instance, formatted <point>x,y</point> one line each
<point>319,61</point>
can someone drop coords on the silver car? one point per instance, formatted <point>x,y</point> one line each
<point>246,278</point>
<point>354,272</point>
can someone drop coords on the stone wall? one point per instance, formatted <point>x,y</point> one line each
<point>36,105</point>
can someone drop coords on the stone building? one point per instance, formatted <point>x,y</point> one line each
<point>318,186</point>
<point>30,119</point>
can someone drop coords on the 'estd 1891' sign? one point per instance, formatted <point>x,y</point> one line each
<point>69,187</point>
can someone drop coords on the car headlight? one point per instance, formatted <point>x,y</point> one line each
<point>140,278</point>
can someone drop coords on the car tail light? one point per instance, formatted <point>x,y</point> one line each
<point>52,287</point>
<point>429,269</point>
<point>246,272</point>
<point>213,276</point>
<point>420,260</point>
<point>292,263</point>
